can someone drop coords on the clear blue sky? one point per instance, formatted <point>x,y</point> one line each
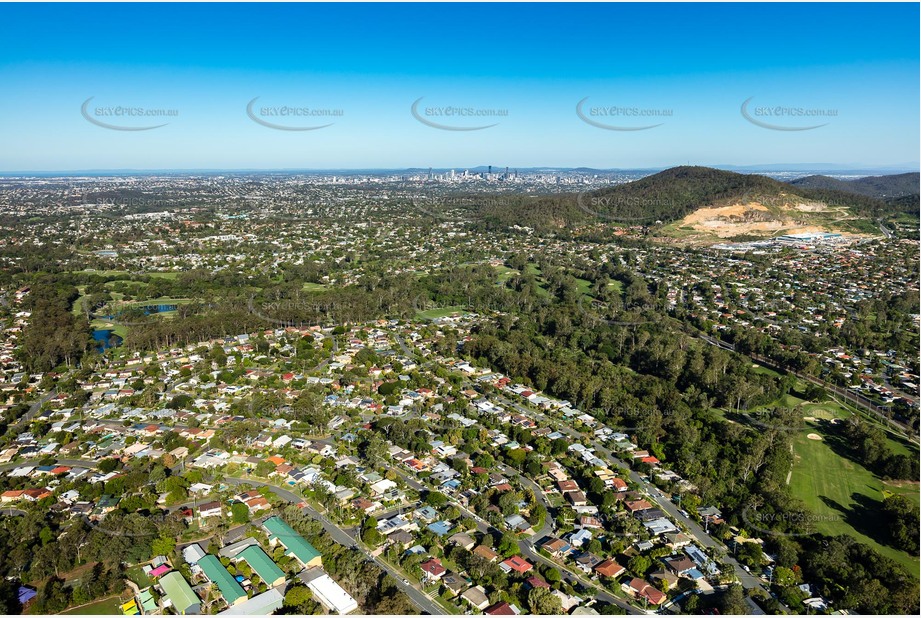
<point>372,61</point>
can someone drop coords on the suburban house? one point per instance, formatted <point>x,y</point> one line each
<point>517,564</point>
<point>432,569</point>
<point>229,588</point>
<point>609,568</point>
<point>210,509</point>
<point>555,547</point>
<point>476,596</point>
<point>576,498</point>
<point>295,545</point>
<point>178,594</point>
<point>642,589</point>
<point>262,565</point>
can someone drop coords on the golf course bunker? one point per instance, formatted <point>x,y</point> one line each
<point>814,436</point>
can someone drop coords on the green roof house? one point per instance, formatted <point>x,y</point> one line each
<point>216,573</point>
<point>263,566</point>
<point>294,544</point>
<point>180,594</point>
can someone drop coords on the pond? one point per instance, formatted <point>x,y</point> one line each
<point>106,338</point>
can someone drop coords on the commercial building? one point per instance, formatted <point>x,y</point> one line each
<point>331,595</point>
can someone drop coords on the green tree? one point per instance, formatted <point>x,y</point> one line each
<point>239,513</point>
<point>542,601</point>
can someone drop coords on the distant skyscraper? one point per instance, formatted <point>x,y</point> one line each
<point>490,170</point>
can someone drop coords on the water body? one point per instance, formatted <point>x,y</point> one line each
<point>106,338</point>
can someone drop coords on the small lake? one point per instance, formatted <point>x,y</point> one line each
<point>106,338</point>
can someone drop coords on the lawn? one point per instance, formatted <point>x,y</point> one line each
<point>137,575</point>
<point>834,488</point>
<point>313,287</point>
<point>106,607</point>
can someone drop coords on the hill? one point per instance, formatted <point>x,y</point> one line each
<point>881,187</point>
<point>698,203</point>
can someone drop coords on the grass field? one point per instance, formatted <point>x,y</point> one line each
<point>136,574</point>
<point>118,329</point>
<point>843,493</point>
<point>440,312</point>
<point>313,287</point>
<point>106,607</point>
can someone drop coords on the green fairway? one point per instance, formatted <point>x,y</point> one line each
<point>313,287</point>
<point>831,486</point>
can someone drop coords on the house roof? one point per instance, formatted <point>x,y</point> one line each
<point>215,571</point>
<point>500,609</point>
<point>432,566</point>
<point>485,552</point>
<point>295,543</point>
<point>517,563</point>
<point>536,582</point>
<point>178,590</point>
<point>609,568</point>
<point>260,562</point>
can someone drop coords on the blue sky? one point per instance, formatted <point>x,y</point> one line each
<point>696,64</point>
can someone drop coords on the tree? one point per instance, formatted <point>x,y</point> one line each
<point>784,577</point>
<point>299,598</point>
<point>508,546</point>
<point>265,468</point>
<point>733,601</point>
<point>162,546</point>
<point>639,565</point>
<point>542,601</point>
<point>239,513</point>
<point>436,499</point>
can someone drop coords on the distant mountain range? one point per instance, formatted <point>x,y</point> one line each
<point>882,187</point>
<point>901,192</point>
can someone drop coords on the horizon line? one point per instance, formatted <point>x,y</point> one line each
<point>829,167</point>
